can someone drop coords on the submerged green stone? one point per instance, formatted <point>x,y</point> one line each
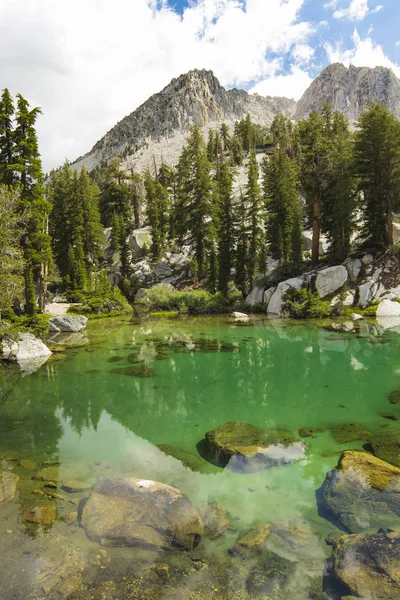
<point>394,397</point>
<point>135,371</point>
<point>350,432</point>
<point>386,446</point>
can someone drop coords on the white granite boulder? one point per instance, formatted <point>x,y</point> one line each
<point>331,279</point>
<point>276,302</point>
<point>68,323</point>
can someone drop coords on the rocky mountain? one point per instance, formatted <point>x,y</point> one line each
<point>163,120</point>
<point>158,128</point>
<point>351,90</point>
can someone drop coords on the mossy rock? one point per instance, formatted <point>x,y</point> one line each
<point>135,371</point>
<point>271,576</point>
<point>43,515</point>
<point>361,494</point>
<point>243,448</point>
<point>252,542</point>
<point>386,446</point>
<point>114,359</point>
<point>394,397</point>
<point>350,432</point>
<point>306,432</point>
<point>369,565</point>
<point>215,519</point>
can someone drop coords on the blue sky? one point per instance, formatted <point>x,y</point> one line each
<point>88,63</point>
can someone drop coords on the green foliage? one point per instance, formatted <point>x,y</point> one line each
<point>77,235</point>
<point>37,324</point>
<point>161,298</point>
<point>11,260</point>
<point>282,200</point>
<point>304,304</point>
<point>377,156</point>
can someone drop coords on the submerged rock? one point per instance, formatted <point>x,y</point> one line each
<point>349,432</point>
<point>43,515</point>
<point>394,397</point>
<point>244,448</point>
<point>140,370</point>
<point>362,493</point>
<point>67,323</point>
<point>386,446</point>
<point>369,565</point>
<point>147,514</point>
<point>215,519</point>
<point>272,575</point>
<point>253,542</point>
<point>8,486</point>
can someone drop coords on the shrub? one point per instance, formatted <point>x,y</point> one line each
<point>305,304</point>
<point>162,298</point>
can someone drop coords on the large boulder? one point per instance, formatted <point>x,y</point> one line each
<point>162,269</point>
<point>67,323</point>
<point>256,296</point>
<point>243,448</point>
<point>25,347</point>
<point>353,266</point>
<point>388,308</point>
<point>276,303</point>
<point>362,493</point>
<point>27,350</point>
<point>146,514</point>
<point>369,565</point>
<point>331,279</point>
<point>364,293</point>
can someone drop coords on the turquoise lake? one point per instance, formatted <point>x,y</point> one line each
<point>83,418</point>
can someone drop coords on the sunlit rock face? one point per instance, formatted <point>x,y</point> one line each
<point>362,493</point>
<point>195,97</point>
<point>351,90</point>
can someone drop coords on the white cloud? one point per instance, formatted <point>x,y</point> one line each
<point>87,63</point>
<point>365,53</point>
<point>292,85</point>
<point>357,11</point>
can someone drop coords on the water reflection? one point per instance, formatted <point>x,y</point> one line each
<point>92,424</point>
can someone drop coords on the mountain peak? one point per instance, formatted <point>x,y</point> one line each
<point>351,90</point>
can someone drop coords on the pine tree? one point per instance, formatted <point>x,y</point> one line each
<point>313,157</point>
<point>242,248</point>
<point>115,194</point>
<point>11,259</point>
<point>75,222</point>
<point>193,210</point>
<point>35,240</point>
<point>377,156</point>
<point>7,143</point>
<point>254,212</point>
<point>281,193</point>
<point>283,134</point>
<point>226,230</point>
<point>340,191</point>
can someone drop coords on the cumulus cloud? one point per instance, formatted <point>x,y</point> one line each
<point>87,63</point>
<point>364,53</point>
<point>356,11</point>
